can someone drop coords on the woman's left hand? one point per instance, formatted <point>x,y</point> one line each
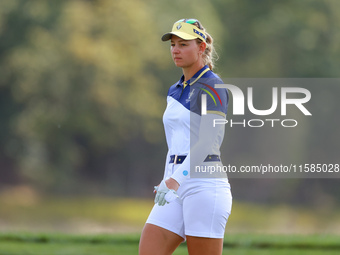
<point>166,194</point>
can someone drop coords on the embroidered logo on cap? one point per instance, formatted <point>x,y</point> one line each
<point>179,27</point>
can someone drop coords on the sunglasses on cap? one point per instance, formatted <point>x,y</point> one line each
<point>191,21</point>
<point>187,29</point>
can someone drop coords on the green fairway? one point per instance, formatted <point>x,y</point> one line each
<point>117,215</point>
<point>61,244</point>
<point>62,218</point>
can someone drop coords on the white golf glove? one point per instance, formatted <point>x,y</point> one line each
<point>164,194</point>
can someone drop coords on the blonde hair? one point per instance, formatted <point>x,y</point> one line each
<point>209,55</point>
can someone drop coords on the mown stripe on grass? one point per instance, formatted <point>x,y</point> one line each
<point>303,242</point>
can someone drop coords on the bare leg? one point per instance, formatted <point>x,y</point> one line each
<point>158,241</point>
<point>204,246</point>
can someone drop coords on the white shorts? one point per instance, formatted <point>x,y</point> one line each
<point>202,209</point>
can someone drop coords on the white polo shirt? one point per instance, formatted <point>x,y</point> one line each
<point>187,131</point>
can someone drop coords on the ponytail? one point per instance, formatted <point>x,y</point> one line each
<point>209,55</point>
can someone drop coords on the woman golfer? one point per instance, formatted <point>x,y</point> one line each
<point>193,201</point>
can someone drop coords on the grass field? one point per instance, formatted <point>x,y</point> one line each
<point>252,244</point>
<point>24,211</point>
<point>34,224</point>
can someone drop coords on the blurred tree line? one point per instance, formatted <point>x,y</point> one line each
<point>83,86</point>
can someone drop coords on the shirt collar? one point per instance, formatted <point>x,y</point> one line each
<point>193,79</point>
